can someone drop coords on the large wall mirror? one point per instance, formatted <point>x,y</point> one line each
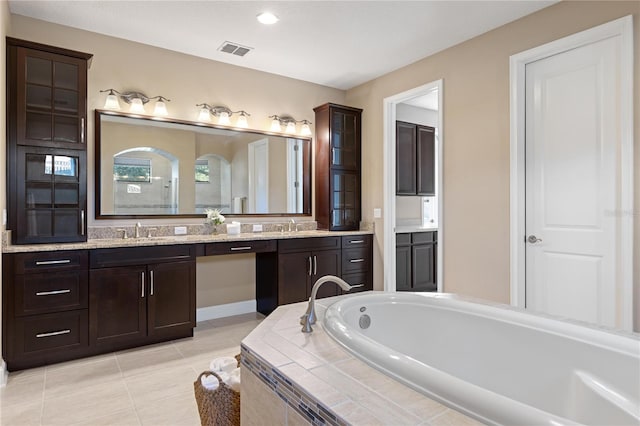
<point>150,168</point>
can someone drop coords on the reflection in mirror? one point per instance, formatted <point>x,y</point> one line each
<point>150,168</point>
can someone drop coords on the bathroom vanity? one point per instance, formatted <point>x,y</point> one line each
<point>67,301</point>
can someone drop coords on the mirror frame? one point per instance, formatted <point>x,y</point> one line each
<point>306,159</point>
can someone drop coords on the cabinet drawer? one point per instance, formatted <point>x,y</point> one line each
<point>42,293</point>
<point>424,237</point>
<point>123,256</point>
<point>403,239</point>
<point>254,246</point>
<point>356,260</point>
<point>354,241</point>
<point>359,281</point>
<point>45,261</point>
<point>312,243</point>
<point>66,330</point>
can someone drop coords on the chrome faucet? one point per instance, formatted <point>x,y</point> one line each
<point>292,222</point>
<point>137,230</point>
<point>309,317</point>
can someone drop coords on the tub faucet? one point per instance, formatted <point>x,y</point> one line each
<point>137,229</point>
<point>292,222</point>
<point>309,317</point>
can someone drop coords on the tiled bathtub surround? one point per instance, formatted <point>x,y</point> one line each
<point>291,376</point>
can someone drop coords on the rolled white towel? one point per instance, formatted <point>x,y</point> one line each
<point>234,380</point>
<point>210,382</point>
<point>223,364</point>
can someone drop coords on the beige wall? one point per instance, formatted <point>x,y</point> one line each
<point>185,79</point>
<point>5,28</point>
<point>476,141</point>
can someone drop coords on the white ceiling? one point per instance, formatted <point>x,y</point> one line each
<point>334,43</point>
<point>428,101</point>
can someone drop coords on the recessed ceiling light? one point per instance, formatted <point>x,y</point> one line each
<point>267,18</point>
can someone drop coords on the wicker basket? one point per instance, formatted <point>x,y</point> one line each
<point>220,407</point>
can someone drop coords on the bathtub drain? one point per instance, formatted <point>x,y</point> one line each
<point>365,321</point>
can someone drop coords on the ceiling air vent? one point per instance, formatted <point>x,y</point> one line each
<point>234,48</point>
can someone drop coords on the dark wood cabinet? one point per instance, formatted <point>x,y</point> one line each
<point>118,305</point>
<point>338,167</point>
<point>44,307</point>
<point>416,261</point>
<point>415,159</point>
<point>149,298</point>
<point>302,262</point>
<point>46,142</point>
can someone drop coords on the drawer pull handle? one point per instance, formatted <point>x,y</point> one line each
<point>241,248</point>
<point>52,292</point>
<point>357,286</point>
<point>142,285</point>
<point>309,259</point>
<point>315,265</point>
<point>53,333</point>
<point>151,293</point>
<point>356,260</point>
<point>356,242</point>
<point>52,262</point>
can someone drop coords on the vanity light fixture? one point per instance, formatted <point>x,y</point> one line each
<point>224,115</point>
<point>136,100</point>
<point>290,125</point>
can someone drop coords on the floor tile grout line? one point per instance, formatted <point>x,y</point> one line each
<point>44,386</point>
<point>126,386</point>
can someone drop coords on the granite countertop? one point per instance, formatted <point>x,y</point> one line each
<point>404,229</point>
<point>177,239</point>
<point>320,368</point>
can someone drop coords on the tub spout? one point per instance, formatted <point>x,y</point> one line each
<point>309,317</point>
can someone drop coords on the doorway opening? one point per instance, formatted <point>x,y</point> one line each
<point>391,106</point>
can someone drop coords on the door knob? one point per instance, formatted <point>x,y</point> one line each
<point>533,239</point>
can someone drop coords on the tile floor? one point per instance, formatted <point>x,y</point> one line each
<point>151,385</point>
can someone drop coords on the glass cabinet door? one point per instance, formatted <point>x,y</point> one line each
<point>52,195</point>
<point>345,193</point>
<point>345,152</point>
<point>51,97</point>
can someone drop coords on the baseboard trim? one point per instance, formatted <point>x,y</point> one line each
<point>4,374</point>
<point>230,309</point>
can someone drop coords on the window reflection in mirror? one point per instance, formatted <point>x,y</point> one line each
<point>157,168</point>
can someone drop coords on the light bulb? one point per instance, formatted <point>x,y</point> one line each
<point>223,118</point>
<point>136,106</point>
<point>112,102</point>
<point>275,125</point>
<point>204,114</point>
<point>242,121</point>
<point>305,130</point>
<point>291,127</point>
<point>160,109</point>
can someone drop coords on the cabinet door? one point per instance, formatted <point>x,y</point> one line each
<point>345,139</point>
<point>345,201</point>
<point>51,99</point>
<point>172,300</point>
<point>117,305</point>
<point>405,158</point>
<point>50,196</point>
<point>423,257</point>
<point>426,157</point>
<point>325,263</point>
<point>294,273</point>
<point>403,268</point>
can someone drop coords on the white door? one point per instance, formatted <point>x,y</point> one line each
<point>259,176</point>
<point>572,183</point>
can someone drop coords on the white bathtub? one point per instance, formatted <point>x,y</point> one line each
<point>497,364</point>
